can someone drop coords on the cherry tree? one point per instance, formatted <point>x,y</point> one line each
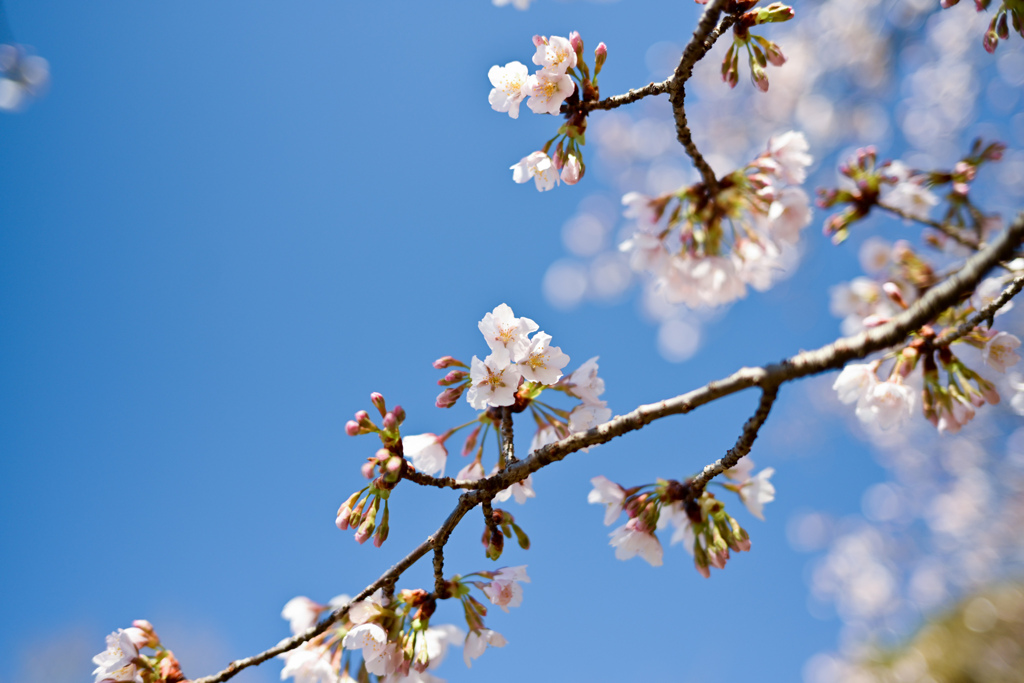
<point>923,354</point>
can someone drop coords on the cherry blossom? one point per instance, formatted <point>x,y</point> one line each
<point>504,589</point>
<point>521,490</point>
<point>477,642</point>
<point>309,664</point>
<point>588,415</point>
<point>427,453</point>
<point>369,609</point>
<point>988,291</point>
<point>640,207</point>
<point>432,645</point>
<point>503,330</point>
<point>888,404</point>
<point>875,254</point>
<point>911,197</point>
<point>301,613</point>
<point>518,4</point>
<point>647,253</point>
<point>584,383</point>
<point>494,381</point>
<point>509,89</point>
<point>572,171</point>
<point>555,54</point>
<point>789,214</point>
<point>788,157</point>
<point>609,494</point>
<point>542,362</point>
<point>855,381</point>
<point>999,352</point>
<point>22,77</point>
<point>547,434</point>
<point>757,491</point>
<point>547,91</point>
<point>538,166</point>
<point>632,539</point>
<point>117,662</point>
<point>380,656</point>
<point>471,472</point>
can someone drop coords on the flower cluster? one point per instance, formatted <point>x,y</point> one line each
<point>1009,12</point>
<point>501,588</point>
<point>393,637</point>
<point>503,525</point>
<point>760,51</point>
<point>514,375</point>
<point>123,659</point>
<point>560,61</point>
<point>894,187</point>
<point>701,523</point>
<point>22,77</point>
<point>704,250</point>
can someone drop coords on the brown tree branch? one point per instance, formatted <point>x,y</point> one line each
<point>769,377</point>
<point>947,230</point>
<point>987,313</point>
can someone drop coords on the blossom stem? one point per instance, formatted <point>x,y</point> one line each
<point>986,314</point>
<point>946,229</point>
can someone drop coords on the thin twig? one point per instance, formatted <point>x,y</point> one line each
<point>618,100</point>
<point>440,482</point>
<point>703,38</point>
<point>743,444</point>
<point>946,229</point>
<point>769,377</point>
<point>987,313</point>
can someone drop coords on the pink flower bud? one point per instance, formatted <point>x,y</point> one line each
<point>394,464</point>
<point>760,78</point>
<point>892,290</point>
<point>452,377</point>
<point>363,535</point>
<point>367,469</point>
<point>874,320</point>
<point>572,171</point>
<point>378,402</point>
<point>399,412</point>
<point>390,422</point>
<point>946,4</point>
<point>774,54</point>
<point>990,41</point>
<point>577,43</point>
<point>341,521</point>
<point>382,454</point>
<point>352,428</point>
<point>448,397</point>
<point>990,394</point>
<point>444,362</point>
<point>539,40</point>
<point>600,54</point>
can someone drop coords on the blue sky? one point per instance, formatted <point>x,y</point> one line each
<point>225,225</point>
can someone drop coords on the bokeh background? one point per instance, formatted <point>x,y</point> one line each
<point>227,223</point>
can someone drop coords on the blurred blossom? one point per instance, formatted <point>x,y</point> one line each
<point>565,283</point>
<point>678,340</point>
<point>23,77</point>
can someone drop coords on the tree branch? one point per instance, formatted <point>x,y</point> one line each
<point>750,429</point>
<point>987,313</point>
<point>944,228</point>
<point>703,38</point>
<point>440,482</point>
<point>769,377</point>
<point>508,448</point>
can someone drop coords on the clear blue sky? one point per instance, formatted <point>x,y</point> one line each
<point>225,226</point>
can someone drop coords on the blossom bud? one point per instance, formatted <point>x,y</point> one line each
<point>892,290</point>
<point>448,397</point>
<point>363,418</point>
<point>700,560</point>
<point>539,40</point>
<point>494,542</point>
<point>1002,27</point>
<point>352,428</point>
<point>471,441</point>
<point>572,171</point>
<point>946,4</point>
<point>367,469</point>
<point>393,469</point>
<point>775,12</point>
<point>774,54</point>
<point>170,669</point>
<point>452,377</point>
<point>577,44</point>
<point>758,75</point>
<point>345,511</point>
<point>446,362</point>
<point>382,530</point>
<point>990,41</point>
<point>378,402</point>
<point>600,54</point>
<point>390,422</point>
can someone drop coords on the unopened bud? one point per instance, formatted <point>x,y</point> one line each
<point>471,441</point>
<point>759,77</point>
<point>352,428</point>
<point>773,13</point>
<point>367,469</point>
<point>449,397</point>
<point>446,362</point>
<point>539,40</point>
<point>363,419</point>
<point>600,54</point>
<point>874,320</point>
<point>390,422</point>
<point>378,402</point>
<point>452,377</point>
<point>774,54</point>
<point>399,412</point>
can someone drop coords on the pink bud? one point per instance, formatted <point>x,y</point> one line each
<point>572,171</point>
<point>390,422</point>
<point>448,397</point>
<point>352,428</point>
<point>874,320</point>
<point>362,535</point>
<point>577,43</point>
<point>341,521</point>
<point>990,42</point>
<point>539,40</point>
<point>367,469</point>
<point>452,377</point>
<point>946,4</point>
<point>774,54</point>
<point>399,412</point>
<point>990,394</point>
<point>600,54</point>
<point>378,402</point>
<point>382,454</point>
<point>394,464</point>
<point>760,78</point>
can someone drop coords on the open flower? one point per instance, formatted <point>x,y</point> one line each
<point>380,656</point>
<point>309,664</point>
<point>547,91</point>
<point>788,157</point>
<point>427,453</point>
<point>521,490</point>
<point>494,381</point>
<point>503,330</point>
<point>117,662</point>
<point>855,382</point>
<point>542,362</point>
<point>477,642</point>
<point>999,352</point>
<point>757,491</point>
<point>609,494</point>
<point>537,166</point>
<point>509,89</point>
<point>555,55</point>
<point>632,539</point>
<point>504,589</point>
<point>888,404</point>
<point>584,383</point>
<point>301,613</point>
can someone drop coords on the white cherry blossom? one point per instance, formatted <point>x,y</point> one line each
<point>542,362</point>
<point>789,214</point>
<point>911,197</point>
<point>757,491</point>
<point>547,91</point>
<point>584,383</point>
<point>369,609</point>
<point>494,381</point>
<point>988,291</point>
<point>609,494</point>
<point>855,381</point>
<point>547,434</point>
<point>588,415</point>
<point>555,55</point>
<point>875,254</point>
<point>888,404</point>
<point>509,89</point>
<point>309,664</point>
<point>116,663</point>
<point>503,330</point>
<point>380,656</point>
<point>477,642</point>
<point>647,253</point>
<point>474,471</point>
<point>426,452</point>
<point>999,352</point>
<point>629,541</point>
<point>537,166</point>
<point>518,4</point>
<point>521,490</point>
<point>504,589</point>
<point>741,472</point>
<point>640,207</point>
<point>301,613</point>
<point>788,157</point>
<point>433,644</point>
